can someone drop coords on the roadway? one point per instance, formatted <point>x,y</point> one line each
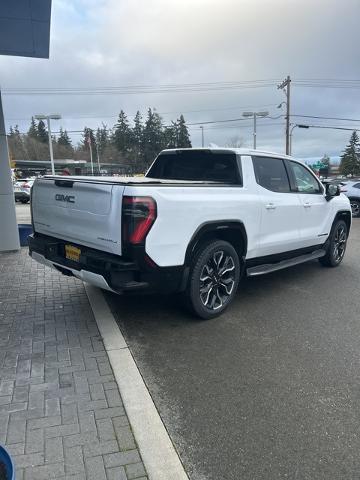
<point>270,390</point>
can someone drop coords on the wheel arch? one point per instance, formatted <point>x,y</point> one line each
<point>343,215</point>
<point>232,231</point>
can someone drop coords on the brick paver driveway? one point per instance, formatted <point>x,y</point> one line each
<point>61,415</point>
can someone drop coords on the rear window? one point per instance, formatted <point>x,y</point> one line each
<point>192,165</point>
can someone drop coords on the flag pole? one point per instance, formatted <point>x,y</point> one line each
<point>91,157</point>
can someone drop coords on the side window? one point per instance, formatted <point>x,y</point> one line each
<point>305,182</point>
<point>357,185</point>
<point>271,174</point>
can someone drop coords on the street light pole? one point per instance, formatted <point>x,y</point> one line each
<point>47,118</point>
<point>255,115</point>
<point>291,134</point>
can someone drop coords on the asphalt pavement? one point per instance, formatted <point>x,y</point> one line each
<point>270,390</point>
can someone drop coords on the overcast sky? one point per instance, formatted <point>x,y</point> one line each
<point>97,43</point>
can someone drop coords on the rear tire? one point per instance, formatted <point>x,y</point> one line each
<point>355,208</point>
<point>213,280</point>
<point>337,245</point>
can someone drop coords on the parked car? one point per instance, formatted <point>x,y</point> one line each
<point>197,222</point>
<point>352,190</point>
<point>22,190</point>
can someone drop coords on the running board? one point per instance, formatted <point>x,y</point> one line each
<point>273,267</point>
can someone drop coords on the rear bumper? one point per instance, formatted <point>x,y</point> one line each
<point>105,270</point>
<point>84,275</point>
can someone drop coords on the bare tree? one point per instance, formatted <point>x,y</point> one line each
<point>235,142</point>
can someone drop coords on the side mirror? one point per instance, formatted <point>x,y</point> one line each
<point>332,190</point>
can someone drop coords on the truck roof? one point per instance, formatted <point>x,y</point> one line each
<point>239,151</point>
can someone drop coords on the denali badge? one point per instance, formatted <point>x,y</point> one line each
<point>65,198</point>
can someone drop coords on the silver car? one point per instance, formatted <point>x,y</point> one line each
<point>22,190</point>
<point>351,188</point>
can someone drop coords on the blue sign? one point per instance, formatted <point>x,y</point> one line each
<point>25,28</point>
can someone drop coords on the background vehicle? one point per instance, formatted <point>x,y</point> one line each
<point>196,223</point>
<point>351,189</point>
<point>22,190</point>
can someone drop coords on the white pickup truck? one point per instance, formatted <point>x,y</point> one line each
<point>197,222</point>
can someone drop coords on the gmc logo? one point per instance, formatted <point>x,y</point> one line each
<point>65,198</point>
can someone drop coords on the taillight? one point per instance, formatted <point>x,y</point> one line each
<point>138,216</point>
<point>26,185</point>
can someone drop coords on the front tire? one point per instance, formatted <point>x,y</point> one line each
<point>337,245</point>
<point>213,280</point>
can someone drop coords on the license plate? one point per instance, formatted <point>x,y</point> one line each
<point>72,253</point>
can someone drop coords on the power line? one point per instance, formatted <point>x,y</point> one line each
<point>181,87</point>
<point>328,118</point>
<point>100,116</point>
<point>136,89</point>
<point>332,127</point>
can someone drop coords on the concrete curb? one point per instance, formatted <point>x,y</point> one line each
<point>158,453</point>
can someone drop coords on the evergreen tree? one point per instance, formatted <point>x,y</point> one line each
<point>42,134</point>
<point>325,159</point>
<point>64,139</point>
<point>171,136</point>
<point>122,133</point>
<point>183,137</point>
<point>16,144</point>
<point>33,130</point>
<point>102,138</point>
<point>350,159</point>
<point>62,146</point>
<point>137,133</point>
<point>153,137</point>
<point>88,138</point>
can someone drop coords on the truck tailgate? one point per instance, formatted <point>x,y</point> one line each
<point>80,212</point>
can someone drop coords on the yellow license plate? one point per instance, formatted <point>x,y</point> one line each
<point>72,253</point>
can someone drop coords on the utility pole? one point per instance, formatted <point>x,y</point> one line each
<point>286,84</point>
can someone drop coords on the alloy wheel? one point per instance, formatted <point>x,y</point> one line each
<point>355,209</point>
<point>217,280</point>
<point>339,243</point>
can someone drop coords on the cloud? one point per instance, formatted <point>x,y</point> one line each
<point>128,42</point>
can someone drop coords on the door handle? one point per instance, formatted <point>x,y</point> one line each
<point>270,206</point>
<point>307,205</point>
